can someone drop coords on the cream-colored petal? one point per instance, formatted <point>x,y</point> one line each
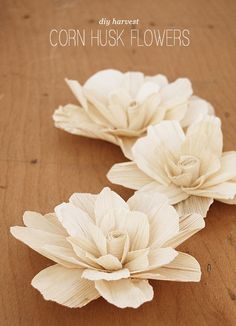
<point>169,133</point>
<point>35,238</point>
<point>83,256</point>
<point>145,114</point>
<point>74,219</point>
<point>125,293</point>
<point>150,152</point>
<point>136,225</point>
<point>75,120</point>
<point>43,223</point>
<point>128,175</point>
<point>132,82</point>
<point>176,93</point>
<point>45,243</point>
<point>222,191</point>
<point>65,286</point>
<point>104,81</point>
<point>159,257</point>
<point>85,244</point>
<point>108,262</point>
<point>94,275</point>
<point>174,193</point>
<point>194,204</point>
<point>226,172</point>
<point>188,226</point>
<point>98,239</point>
<point>159,79</point>
<point>77,90</point>
<point>84,201</point>
<point>118,244</point>
<point>204,140</point>
<point>184,268</point>
<point>228,201</point>
<point>163,218</point>
<point>177,113</point>
<point>118,101</point>
<point>126,144</point>
<point>107,205</point>
<point>147,89</point>
<point>196,111</point>
<point>66,255</point>
<point>137,260</point>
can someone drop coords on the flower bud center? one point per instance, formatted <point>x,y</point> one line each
<point>188,168</point>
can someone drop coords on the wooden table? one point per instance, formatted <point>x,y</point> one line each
<point>40,166</point>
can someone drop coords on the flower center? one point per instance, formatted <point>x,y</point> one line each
<point>116,242</point>
<point>187,170</point>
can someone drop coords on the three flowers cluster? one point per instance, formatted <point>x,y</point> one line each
<point>104,246</point>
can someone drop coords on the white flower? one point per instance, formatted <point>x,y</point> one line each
<point>118,107</point>
<point>106,247</point>
<point>190,169</point>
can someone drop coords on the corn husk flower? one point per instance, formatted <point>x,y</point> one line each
<point>191,170</point>
<point>104,246</point>
<point>118,107</point>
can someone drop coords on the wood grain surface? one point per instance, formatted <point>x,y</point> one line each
<point>40,166</point>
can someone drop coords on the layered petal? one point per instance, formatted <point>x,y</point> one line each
<point>174,193</point>
<point>163,218</point>
<point>65,286</point>
<point>107,206</point>
<point>194,204</point>
<point>188,226</point>
<point>184,268</point>
<point>125,293</point>
<point>196,111</point>
<point>176,93</point>
<point>128,175</point>
<point>48,223</point>
<point>95,275</point>
<point>74,219</point>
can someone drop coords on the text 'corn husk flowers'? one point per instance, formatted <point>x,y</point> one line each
<point>118,107</point>
<point>104,246</point>
<point>190,169</point>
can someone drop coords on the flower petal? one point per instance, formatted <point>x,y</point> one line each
<point>125,293</point>
<point>197,110</point>
<point>65,286</point>
<point>204,140</point>
<point>75,120</point>
<point>128,175</point>
<point>222,191</point>
<point>161,256</point>
<point>188,226</point>
<point>163,218</point>
<point>74,219</point>
<point>107,204</point>
<point>77,90</point>
<point>104,81</point>
<point>136,225</point>
<point>137,260</point>
<point>38,239</point>
<point>150,152</point>
<point>184,268</point>
<point>132,81</point>
<point>194,204</point>
<point>174,193</point>
<point>94,275</point>
<point>147,89</point>
<point>44,223</point>
<point>108,262</point>
<point>84,201</point>
<point>176,93</point>
<point>226,172</point>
